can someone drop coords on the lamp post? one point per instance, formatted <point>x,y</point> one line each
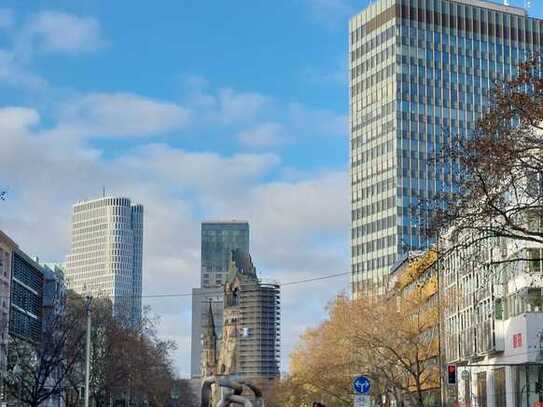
<point>88,351</point>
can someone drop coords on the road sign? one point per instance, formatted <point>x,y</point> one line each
<point>361,400</point>
<point>361,385</point>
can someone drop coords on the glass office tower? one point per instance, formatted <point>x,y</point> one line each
<point>219,238</point>
<point>420,71</point>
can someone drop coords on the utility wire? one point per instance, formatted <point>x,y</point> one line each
<point>287,284</point>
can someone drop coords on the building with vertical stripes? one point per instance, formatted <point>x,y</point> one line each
<point>420,72</point>
<point>107,252</point>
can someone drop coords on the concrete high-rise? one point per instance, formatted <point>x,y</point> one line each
<point>218,239</point>
<point>106,258</point>
<point>250,345</point>
<point>420,72</point>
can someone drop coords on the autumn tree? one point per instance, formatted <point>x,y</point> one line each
<point>496,172</point>
<point>392,342</point>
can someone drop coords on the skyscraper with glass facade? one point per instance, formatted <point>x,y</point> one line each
<point>420,71</point>
<point>219,238</point>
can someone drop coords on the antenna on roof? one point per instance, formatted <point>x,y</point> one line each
<point>527,4</point>
<point>103,191</point>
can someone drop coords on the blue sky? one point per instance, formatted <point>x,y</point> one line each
<point>197,110</point>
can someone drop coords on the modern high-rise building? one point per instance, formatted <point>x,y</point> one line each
<point>420,71</point>
<point>218,239</point>
<point>107,250</point>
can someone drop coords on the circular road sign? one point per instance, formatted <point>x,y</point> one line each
<point>361,385</point>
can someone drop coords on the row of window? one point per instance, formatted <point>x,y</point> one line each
<point>373,208</point>
<point>24,326</point>
<point>373,245</point>
<point>376,188</point>
<point>26,273</point>
<point>374,264</point>
<point>25,299</point>
<point>492,25</point>
<point>372,43</point>
<point>372,153</point>
<point>373,227</point>
<point>101,203</point>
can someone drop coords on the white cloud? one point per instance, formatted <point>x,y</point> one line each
<point>297,227</point>
<point>16,120</point>
<point>264,135</point>
<point>120,114</point>
<point>206,173</point>
<point>321,122</point>
<point>226,106</point>
<point>47,31</point>
<point>240,106</point>
<point>56,31</point>
<point>257,121</point>
<point>14,73</point>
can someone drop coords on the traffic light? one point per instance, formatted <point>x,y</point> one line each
<point>451,371</point>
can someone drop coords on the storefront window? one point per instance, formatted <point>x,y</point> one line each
<point>498,309</point>
<point>536,260</point>
<point>533,300</point>
<point>499,387</point>
<point>527,380</point>
<point>481,389</point>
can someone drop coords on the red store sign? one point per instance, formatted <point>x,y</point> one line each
<point>517,341</point>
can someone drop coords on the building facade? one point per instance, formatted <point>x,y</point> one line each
<point>54,290</point>
<point>218,239</point>
<point>420,71</point>
<point>414,281</point>
<point>494,322</point>
<point>260,342</point>
<point>7,246</point>
<point>26,311</point>
<point>249,346</point>
<point>107,252</point>
<point>202,299</point>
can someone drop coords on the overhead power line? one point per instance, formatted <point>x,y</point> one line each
<point>287,284</point>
